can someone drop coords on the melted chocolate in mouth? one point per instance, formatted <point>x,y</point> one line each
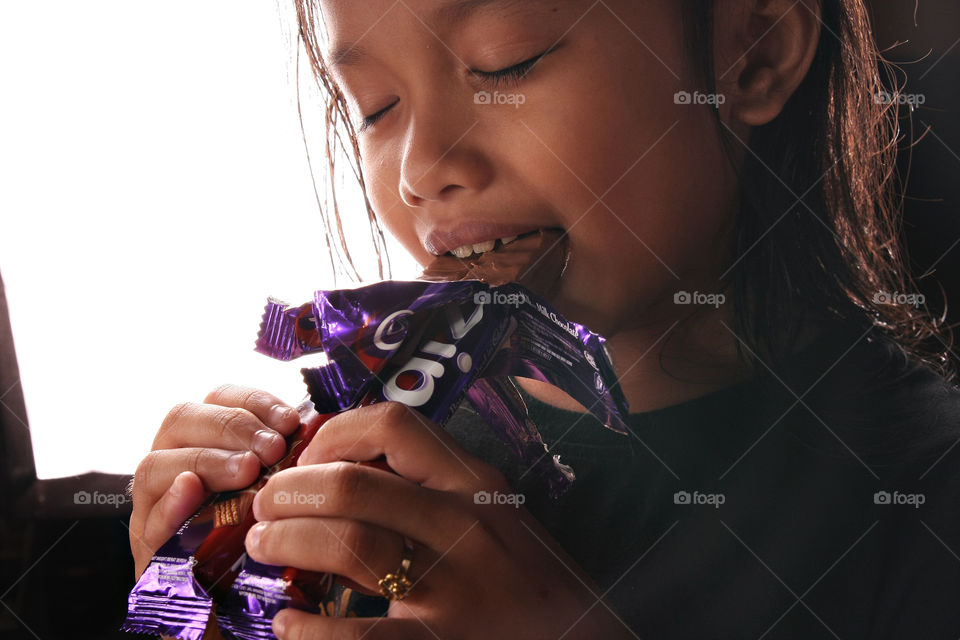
<point>535,260</point>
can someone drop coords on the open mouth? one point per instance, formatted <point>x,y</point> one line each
<point>535,259</point>
<point>479,248</point>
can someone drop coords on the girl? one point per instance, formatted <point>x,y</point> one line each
<point>722,171</point>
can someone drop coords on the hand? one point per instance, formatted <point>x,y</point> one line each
<point>478,570</point>
<point>199,449</point>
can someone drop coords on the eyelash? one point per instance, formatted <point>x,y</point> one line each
<point>512,74</point>
<point>369,121</point>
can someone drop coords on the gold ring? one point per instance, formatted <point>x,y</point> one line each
<point>395,586</point>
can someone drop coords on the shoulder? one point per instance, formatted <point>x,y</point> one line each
<point>862,392</point>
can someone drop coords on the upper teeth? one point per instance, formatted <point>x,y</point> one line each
<point>480,247</point>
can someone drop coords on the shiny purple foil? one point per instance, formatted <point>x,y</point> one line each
<point>167,600</point>
<point>455,347</point>
<point>548,347</point>
<point>499,403</point>
<point>362,329</point>
<point>260,591</point>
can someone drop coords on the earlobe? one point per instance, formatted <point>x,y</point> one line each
<point>773,43</point>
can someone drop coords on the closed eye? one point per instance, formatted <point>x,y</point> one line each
<point>511,74</point>
<point>369,121</point>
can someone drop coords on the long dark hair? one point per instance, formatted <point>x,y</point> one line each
<point>818,231</point>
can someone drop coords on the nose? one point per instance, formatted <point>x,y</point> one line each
<point>441,156</point>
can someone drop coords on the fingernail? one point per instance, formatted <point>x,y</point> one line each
<point>234,462</point>
<point>176,489</point>
<point>279,624</point>
<point>264,441</point>
<point>280,415</point>
<point>254,507</point>
<point>253,536</point>
<point>305,457</point>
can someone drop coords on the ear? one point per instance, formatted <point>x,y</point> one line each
<point>763,51</point>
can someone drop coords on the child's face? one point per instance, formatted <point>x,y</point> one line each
<point>591,141</point>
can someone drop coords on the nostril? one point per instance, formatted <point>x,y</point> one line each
<point>449,189</point>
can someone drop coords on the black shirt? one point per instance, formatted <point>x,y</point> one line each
<point>747,513</point>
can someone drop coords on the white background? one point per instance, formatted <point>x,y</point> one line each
<point>154,191</point>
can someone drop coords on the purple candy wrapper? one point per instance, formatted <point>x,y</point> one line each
<point>361,329</point>
<point>261,590</point>
<point>287,333</point>
<point>549,348</point>
<point>501,406</point>
<point>168,600</point>
<point>455,345</point>
<point>537,343</point>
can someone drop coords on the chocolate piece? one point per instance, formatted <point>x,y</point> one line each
<point>536,261</point>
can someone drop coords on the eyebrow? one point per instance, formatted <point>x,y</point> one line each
<point>452,12</point>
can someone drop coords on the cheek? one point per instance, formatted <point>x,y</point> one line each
<point>640,183</point>
<point>659,227</point>
<point>382,177</point>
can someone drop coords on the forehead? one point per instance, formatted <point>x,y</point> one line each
<point>348,22</point>
<point>432,12</point>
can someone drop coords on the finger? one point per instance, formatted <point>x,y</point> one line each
<point>344,489</point>
<point>362,552</point>
<point>209,425</point>
<point>218,470</point>
<point>291,624</point>
<point>414,447</point>
<point>272,411</point>
<point>180,501</point>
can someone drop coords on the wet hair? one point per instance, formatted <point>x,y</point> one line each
<point>818,232</point>
<point>819,226</point>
